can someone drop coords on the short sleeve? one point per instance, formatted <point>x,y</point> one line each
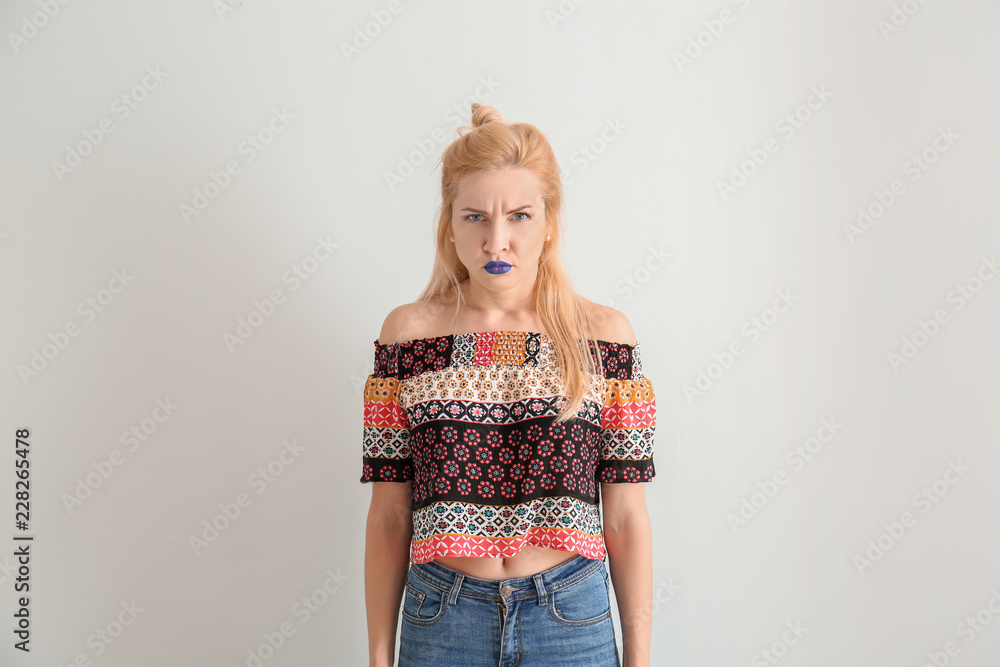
<point>628,418</point>
<point>386,437</point>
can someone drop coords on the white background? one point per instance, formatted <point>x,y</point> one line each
<point>691,88</point>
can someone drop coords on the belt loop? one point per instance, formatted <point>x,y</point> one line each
<point>540,587</point>
<point>453,596</point>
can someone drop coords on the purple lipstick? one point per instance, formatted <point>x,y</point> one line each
<point>497,267</point>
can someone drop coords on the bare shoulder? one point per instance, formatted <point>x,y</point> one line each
<point>408,322</point>
<point>393,324</point>
<point>610,324</point>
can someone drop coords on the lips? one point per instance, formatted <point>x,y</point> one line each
<point>497,267</point>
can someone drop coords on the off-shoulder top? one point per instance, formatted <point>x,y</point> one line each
<point>470,420</point>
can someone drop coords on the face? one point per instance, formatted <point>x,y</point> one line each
<point>498,221</point>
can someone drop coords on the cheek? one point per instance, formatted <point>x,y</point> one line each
<point>465,247</point>
<point>538,239</point>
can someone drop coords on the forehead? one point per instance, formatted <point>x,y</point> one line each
<point>483,186</point>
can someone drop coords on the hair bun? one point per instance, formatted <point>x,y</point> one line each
<point>482,114</point>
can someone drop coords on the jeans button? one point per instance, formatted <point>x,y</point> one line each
<point>506,590</point>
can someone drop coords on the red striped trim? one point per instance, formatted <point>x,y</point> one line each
<point>589,546</point>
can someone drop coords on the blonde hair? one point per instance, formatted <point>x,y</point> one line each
<point>493,145</point>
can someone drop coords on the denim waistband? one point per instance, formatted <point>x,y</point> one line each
<point>513,588</point>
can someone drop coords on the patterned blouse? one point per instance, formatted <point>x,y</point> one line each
<point>469,419</point>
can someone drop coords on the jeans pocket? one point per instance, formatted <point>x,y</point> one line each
<point>585,602</point>
<point>423,604</point>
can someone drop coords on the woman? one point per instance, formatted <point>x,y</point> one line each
<point>503,412</point>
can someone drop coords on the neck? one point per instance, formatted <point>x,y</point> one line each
<point>494,307</point>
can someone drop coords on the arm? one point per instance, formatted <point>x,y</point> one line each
<point>388,533</point>
<point>627,530</point>
<point>628,537</point>
<point>387,559</point>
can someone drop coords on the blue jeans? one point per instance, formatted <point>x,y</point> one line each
<point>561,616</point>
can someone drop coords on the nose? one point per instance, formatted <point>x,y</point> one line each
<point>498,237</point>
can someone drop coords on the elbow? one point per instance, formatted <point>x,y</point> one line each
<point>628,536</point>
<point>627,524</point>
<point>391,520</point>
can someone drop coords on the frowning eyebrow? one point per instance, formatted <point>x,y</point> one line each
<point>519,208</point>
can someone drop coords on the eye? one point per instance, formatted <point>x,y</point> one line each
<point>527,216</point>
<point>473,215</point>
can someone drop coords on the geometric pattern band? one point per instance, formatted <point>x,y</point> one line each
<point>499,532</point>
